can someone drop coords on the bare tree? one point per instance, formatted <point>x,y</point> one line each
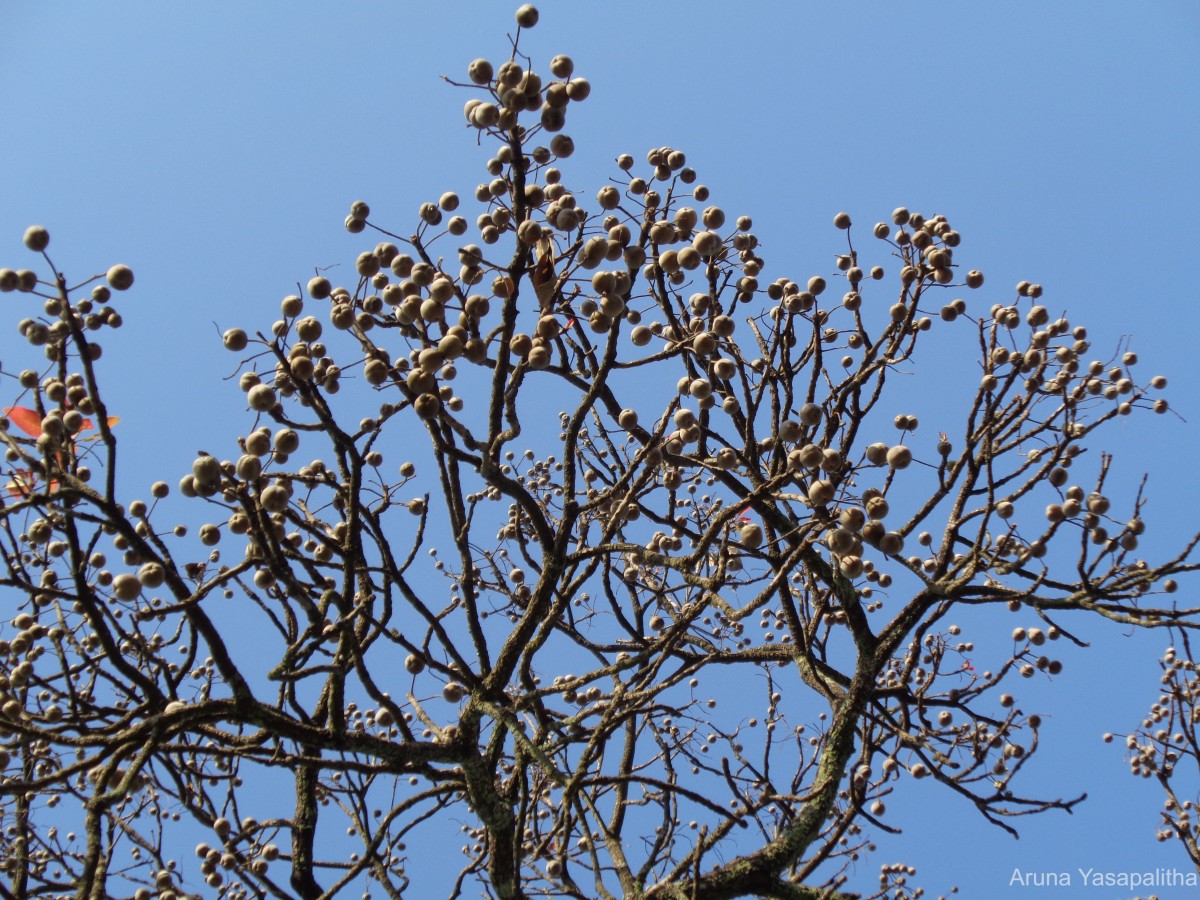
<point>1166,747</point>
<point>607,479</point>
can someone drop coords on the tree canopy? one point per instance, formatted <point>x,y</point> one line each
<point>560,532</point>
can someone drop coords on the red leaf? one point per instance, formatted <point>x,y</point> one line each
<point>26,419</point>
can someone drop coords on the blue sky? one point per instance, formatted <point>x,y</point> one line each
<point>216,148</point>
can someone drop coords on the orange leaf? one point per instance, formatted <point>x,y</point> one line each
<point>88,424</point>
<point>31,423</point>
<point>24,482</point>
<point>26,419</point>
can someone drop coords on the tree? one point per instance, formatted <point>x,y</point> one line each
<point>1165,747</point>
<point>634,482</point>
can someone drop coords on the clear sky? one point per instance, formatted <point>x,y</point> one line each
<point>216,148</point>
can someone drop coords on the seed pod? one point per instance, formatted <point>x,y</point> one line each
<point>480,71</point>
<point>852,519</point>
<point>877,453</point>
<point>261,398</point>
<point>810,414</point>
<point>206,470</point>
<point>751,536</point>
<point>485,115</point>
<point>319,288</point>
<point>578,89</point>
<point>562,66</point>
<point>248,467</point>
<point>842,220</point>
<point>821,492</point>
<point>427,405</point>
<point>126,587</point>
<point>151,575</point>
<point>37,238</point>
<point>891,543</point>
<point>832,461</point>
<point>704,344</point>
<point>899,457</point>
<point>877,507</point>
<point>608,197</point>
<point>852,566</point>
<point>527,15</point>
<point>367,264</point>
<point>548,327</point>
<point>235,339</point>
<point>119,277</point>
<point>274,498</point>
<point>713,217</point>
<point>529,232</point>
<point>811,456</point>
<point>841,541</point>
<point>707,243</point>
